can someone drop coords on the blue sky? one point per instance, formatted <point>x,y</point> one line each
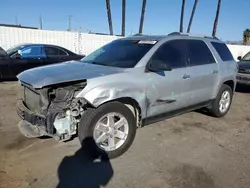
<point>161,17</point>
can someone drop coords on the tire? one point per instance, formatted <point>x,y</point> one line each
<point>92,116</point>
<point>215,107</point>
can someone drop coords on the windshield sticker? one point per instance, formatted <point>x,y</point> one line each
<point>147,42</point>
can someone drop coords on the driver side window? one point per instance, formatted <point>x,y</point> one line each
<point>171,53</point>
<point>31,52</point>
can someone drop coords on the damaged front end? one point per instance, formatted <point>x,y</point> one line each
<point>51,111</point>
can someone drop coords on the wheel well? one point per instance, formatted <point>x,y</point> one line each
<point>133,105</point>
<point>230,83</point>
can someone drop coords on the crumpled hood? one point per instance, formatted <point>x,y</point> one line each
<point>64,72</point>
<point>244,64</point>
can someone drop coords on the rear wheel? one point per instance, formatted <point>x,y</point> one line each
<point>222,103</point>
<point>112,127</point>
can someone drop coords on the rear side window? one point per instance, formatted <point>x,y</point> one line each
<point>199,53</point>
<point>223,51</point>
<point>53,51</point>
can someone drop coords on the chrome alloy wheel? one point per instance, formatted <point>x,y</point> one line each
<point>111,131</point>
<point>224,101</point>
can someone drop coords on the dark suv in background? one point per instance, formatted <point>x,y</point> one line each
<point>243,76</point>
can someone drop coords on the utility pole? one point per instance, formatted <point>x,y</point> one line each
<point>41,22</point>
<point>70,16</point>
<point>16,20</point>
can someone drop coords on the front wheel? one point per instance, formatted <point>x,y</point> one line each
<point>112,127</point>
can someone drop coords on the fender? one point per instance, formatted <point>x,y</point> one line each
<point>112,91</point>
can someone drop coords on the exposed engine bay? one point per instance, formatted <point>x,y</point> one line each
<point>53,110</point>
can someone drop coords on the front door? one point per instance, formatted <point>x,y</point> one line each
<point>204,71</point>
<point>169,90</point>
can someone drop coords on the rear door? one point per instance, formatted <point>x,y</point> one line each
<point>30,57</point>
<point>55,55</point>
<point>204,71</point>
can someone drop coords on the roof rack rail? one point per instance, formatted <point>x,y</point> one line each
<point>139,34</point>
<point>190,34</point>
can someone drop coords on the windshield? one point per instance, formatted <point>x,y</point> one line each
<point>2,52</point>
<point>246,57</point>
<point>120,53</point>
<point>13,49</point>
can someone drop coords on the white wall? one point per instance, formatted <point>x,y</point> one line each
<point>81,43</point>
<point>238,50</point>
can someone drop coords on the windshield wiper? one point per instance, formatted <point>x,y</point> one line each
<point>96,63</point>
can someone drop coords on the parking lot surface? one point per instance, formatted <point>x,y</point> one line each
<point>189,151</point>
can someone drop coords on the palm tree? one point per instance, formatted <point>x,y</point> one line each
<point>142,15</point>
<point>109,17</point>
<point>216,18</point>
<point>192,15</point>
<point>182,15</point>
<point>246,36</point>
<point>123,16</point>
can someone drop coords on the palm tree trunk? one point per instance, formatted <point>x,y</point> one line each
<point>192,15</point>
<point>123,16</point>
<point>246,36</point>
<point>142,16</point>
<point>182,15</point>
<point>109,17</point>
<point>216,18</point>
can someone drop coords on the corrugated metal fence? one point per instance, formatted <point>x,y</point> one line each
<point>81,43</point>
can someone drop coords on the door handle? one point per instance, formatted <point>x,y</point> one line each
<point>185,76</point>
<point>215,71</point>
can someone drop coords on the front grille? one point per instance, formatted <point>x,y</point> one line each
<point>245,71</point>
<point>32,99</point>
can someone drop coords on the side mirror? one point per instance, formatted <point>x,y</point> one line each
<point>239,57</point>
<point>158,66</point>
<point>17,56</point>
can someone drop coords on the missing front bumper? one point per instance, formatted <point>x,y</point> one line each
<point>42,122</point>
<point>31,125</point>
<point>29,130</point>
<point>37,125</point>
<point>30,116</point>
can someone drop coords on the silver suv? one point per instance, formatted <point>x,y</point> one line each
<point>124,85</point>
